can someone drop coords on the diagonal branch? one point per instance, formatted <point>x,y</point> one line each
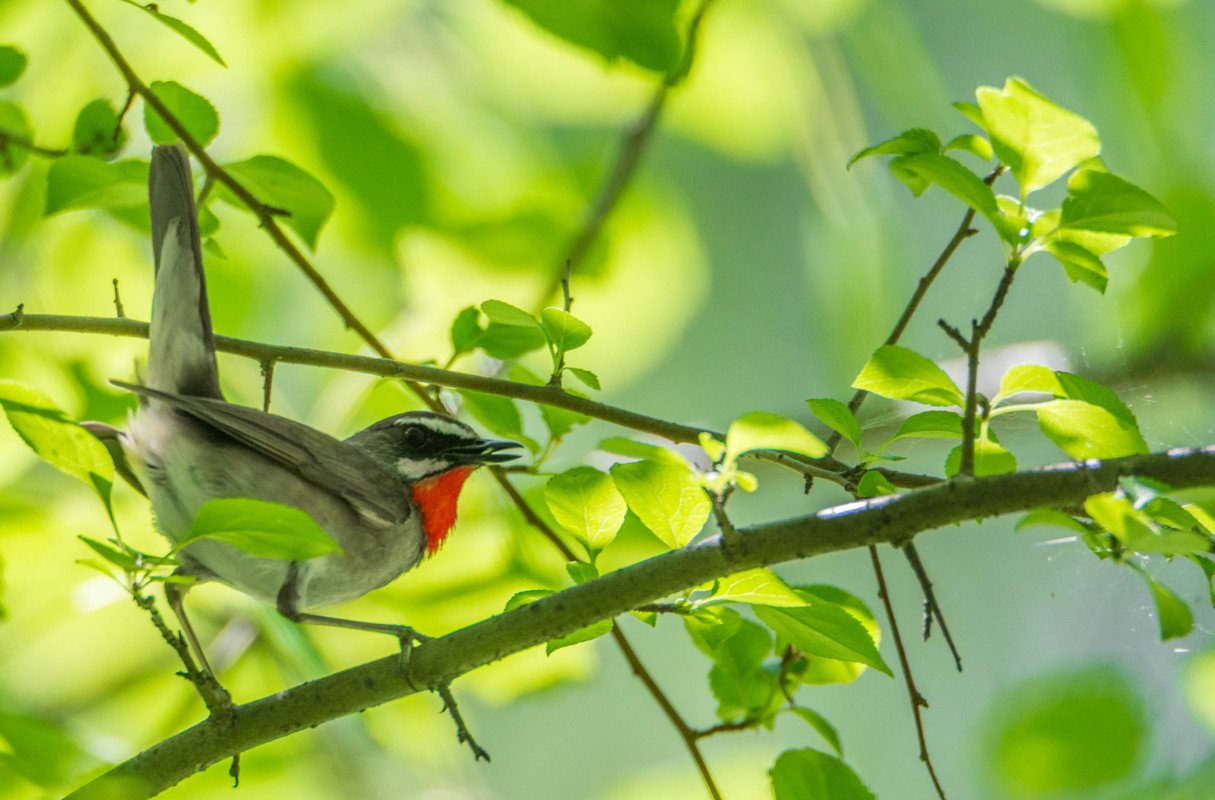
<point>891,519</point>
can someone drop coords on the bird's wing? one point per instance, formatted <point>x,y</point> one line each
<point>314,456</point>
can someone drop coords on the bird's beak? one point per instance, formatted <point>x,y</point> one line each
<point>485,452</point>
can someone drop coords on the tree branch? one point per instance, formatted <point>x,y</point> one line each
<point>890,519</point>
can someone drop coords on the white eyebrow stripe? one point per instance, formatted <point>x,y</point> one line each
<point>439,425</point>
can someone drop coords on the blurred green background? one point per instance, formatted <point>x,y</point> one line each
<point>744,269</point>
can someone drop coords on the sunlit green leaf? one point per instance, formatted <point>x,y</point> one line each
<point>990,458</point>
<point>287,188</point>
<point>182,29</point>
<point>119,558</point>
<point>933,168</point>
<point>1027,378</point>
<point>565,331</point>
<point>1037,139</point>
<point>592,631</point>
<point>641,31</point>
<point>1083,430</point>
<point>262,529</point>
<point>630,448</point>
<point>1136,531</point>
<point>586,503</point>
<point>909,142</point>
<point>12,64</point>
<point>1174,615</point>
<point>826,630</point>
<point>1052,518</point>
<point>902,374</point>
<point>760,430</point>
<point>1080,265</point>
<point>820,724</point>
<point>511,331</point>
<point>666,497</point>
<point>838,417</point>
<point>587,377</point>
<point>1100,202</point>
<point>760,586</point>
<point>193,111</point>
<point>810,775</point>
<point>970,143</point>
<point>928,425</point>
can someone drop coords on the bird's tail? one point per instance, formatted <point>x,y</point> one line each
<point>182,352</point>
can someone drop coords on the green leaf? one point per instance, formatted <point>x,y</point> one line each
<point>838,417</point>
<point>98,130</point>
<point>182,29</point>
<point>83,182</point>
<point>1083,430</point>
<point>909,142</point>
<point>1208,571</point>
<point>559,421</point>
<point>592,631</point>
<point>1027,378</point>
<point>1051,518</point>
<point>970,143</point>
<point>971,112</point>
<point>824,630</point>
<point>1077,387</point>
<point>563,329</point>
<point>820,724</point>
<point>499,414</point>
<point>193,111</point>
<point>587,377</point>
<point>760,430</point>
<point>810,775</point>
<point>821,671</point>
<point>990,459</point>
<point>284,186</point>
<point>714,449</point>
<point>667,498</point>
<point>1100,202</point>
<point>1080,265</point>
<point>1136,531</point>
<point>760,586</point>
<point>586,503</point>
<point>874,484</point>
<point>618,445</point>
<point>951,176</point>
<point>14,122</point>
<point>511,331</point>
<point>56,439</point>
<point>41,752</point>
<point>262,529</point>
<point>928,425</point>
<point>1066,735</point>
<point>580,571</point>
<point>466,330</point>
<point>641,31</point>
<point>902,374</point>
<point>1038,140</point>
<point>12,64</point>
<point>519,599</point>
<point>119,558</point>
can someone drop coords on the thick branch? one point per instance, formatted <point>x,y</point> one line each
<point>891,519</point>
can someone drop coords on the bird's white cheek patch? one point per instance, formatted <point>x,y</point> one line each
<point>414,469</point>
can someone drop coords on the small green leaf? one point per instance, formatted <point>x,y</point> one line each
<point>990,459</point>
<point>193,111</point>
<point>592,631</point>
<point>928,425</point>
<point>824,630</point>
<point>667,498</point>
<point>838,417</point>
<point>12,64</point>
<point>563,329</point>
<point>874,484</point>
<point>1027,378</point>
<point>466,330</point>
<point>760,586</point>
<point>822,671</point>
<point>98,130</point>
<point>973,144</point>
<point>14,123</point>
<point>760,430</point>
<point>1038,140</point>
<point>909,142</point>
<point>971,112</point>
<point>629,448</point>
<point>559,421</point>
<point>902,374</point>
<point>1176,619</point>
<point>587,377</point>
<point>57,440</point>
<point>810,775</point>
<point>714,449</point>
<point>182,29</point>
<point>262,529</point>
<point>524,597</point>
<point>1083,430</point>
<point>641,31</point>
<point>1136,531</point>
<point>283,186</point>
<point>123,560</point>
<point>1051,518</point>
<point>1100,202</point>
<point>1207,566</point>
<point>83,182</point>
<point>1080,265</point>
<point>950,175</point>
<point>586,503</point>
<point>581,572</point>
<point>820,724</point>
<point>511,332</point>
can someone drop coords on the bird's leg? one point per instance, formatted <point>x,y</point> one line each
<point>214,695</point>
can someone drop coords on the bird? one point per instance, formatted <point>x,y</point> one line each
<point>387,495</point>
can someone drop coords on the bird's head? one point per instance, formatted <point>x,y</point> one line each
<point>434,455</point>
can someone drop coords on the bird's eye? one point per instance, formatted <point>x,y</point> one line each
<point>413,437</point>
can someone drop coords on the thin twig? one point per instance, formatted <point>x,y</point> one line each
<point>267,368</point>
<point>9,139</point>
<point>913,694</point>
<point>931,607</point>
<point>118,310</point>
<point>463,735</point>
<point>633,145</point>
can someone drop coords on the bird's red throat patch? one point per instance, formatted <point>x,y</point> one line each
<point>436,498</point>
